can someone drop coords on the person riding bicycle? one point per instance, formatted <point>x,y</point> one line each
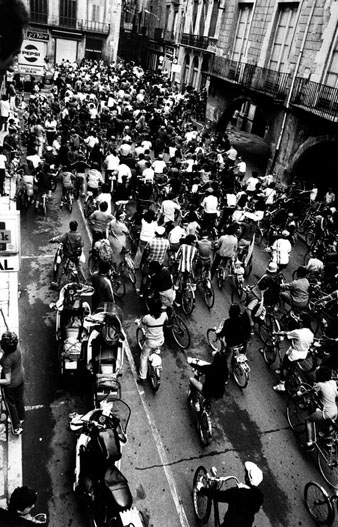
<point>226,248</point>
<point>185,257</point>
<point>300,342</point>
<point>235,331</point>
<point>103,290</point>
<point>72,248</point>
<point>326,389</point>
<point>68,180</point>
<point>204,247</point>
<point>160,280</point>
<point>296,293</point>
<point>153,324</point>
<point>215,377</point>
<point>243,501</point>
<point>43,181</point>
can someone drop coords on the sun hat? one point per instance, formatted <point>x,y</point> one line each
<point>272,267</point>
<point>255,474</point>
<point>160,230</point>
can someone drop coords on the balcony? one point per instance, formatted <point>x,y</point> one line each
<point>316,98</point>
<point>195,41</point>
<point>252,77</point>
<point>86,26</point>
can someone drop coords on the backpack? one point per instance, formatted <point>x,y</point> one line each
<point>105,252</point>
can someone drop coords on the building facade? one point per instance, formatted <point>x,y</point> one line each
<point>75,29</point>
<point>271,63</point>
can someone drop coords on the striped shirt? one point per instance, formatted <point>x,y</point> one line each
<point>185,257</point>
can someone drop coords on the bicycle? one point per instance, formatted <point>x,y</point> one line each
<point>178,329</point>
<point>239,364</point>
<point>203,504</point>
<point>204,280</point>
<point>68,199</point>
<point>154,360</point>
<point>222,272</point>
<point>326,443</point>
<point>187,289</point>
<point>201,405</point>
<point>126,266</point>
<point>319,504</point>
<point>118,285</point>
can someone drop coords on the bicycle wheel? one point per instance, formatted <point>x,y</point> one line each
<point>270,352</point>
<point>202,504</point>
<point>119,287</point>
<point>208,293</point>
<point>140,338</point>
<point>310,238</point>
<point>240,376</point>
<point>93,264</point>
<point>214,342</point>
<point>180,332</point>
<point>327,459</point>
<point>204,427</point>
<point>296,413</point>
<point>258,237</point>
<point>292,382</point>
<point>44,206</point>
<point>268,325</point>
<point>318,503</point>
<point>188,301</point>
<point>155,379</point>
<point>70,202</point>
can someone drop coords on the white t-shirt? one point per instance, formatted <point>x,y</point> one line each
<point>281,250</point>
<point>112,162</point>
<point>210,204</point>
<point>3,160</point>
<point>158,166</point>
<point>154,326</point>
<point>168,210</point>
<point>301,340</point>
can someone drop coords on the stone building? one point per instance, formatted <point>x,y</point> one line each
<point>270,67</point>
<point>75,29</point>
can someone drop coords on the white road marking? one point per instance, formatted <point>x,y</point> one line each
<point>35,407</point>
<point>159,445</point>
<point>30,256</point>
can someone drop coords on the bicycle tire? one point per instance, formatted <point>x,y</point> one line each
<point>188,301</point>
<point>318,504</point>
<point>208,293</point>
<point>140,338</point>
<point>258,237</point>
<point>247,270</point>
<point>270,352</point>
<point>202,504</point>
<point>70,203</point>
<point>155,379</point>
<point>180,332</point>
<point>267,326</point>
<point>214,342</point>
<point>220,279</point>
<point>53,184</point>
<point>327,459</point>
<point>296,413</point>
<point>240,376</point>
<point>44,207</point>
<point>93,264</point>
<point>131,275</point>
<point>310,238</point>
<point>119,287</point>
<point>292,382</point>
<point>204,427</point>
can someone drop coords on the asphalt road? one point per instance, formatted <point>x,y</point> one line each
<point>163,448</point>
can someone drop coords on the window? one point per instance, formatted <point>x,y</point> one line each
<point>332,70</point>
<point>213,20</point>
<point>282,39</point>
<point>174,25</point>
<point>68,11</point>
<point>195,68</point>
<point>38,11</point>
<point>242,32</point>
<point>186,70</point>
<point>194,16</point>
<point>203,17</point>
<point>96,13</point>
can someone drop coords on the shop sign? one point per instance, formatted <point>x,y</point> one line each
<point>128,26</point>
<point>9,263</point>
<point>169,53</point>
<point>38,35</point>
<point>9,233</point>
<point>31,58</point>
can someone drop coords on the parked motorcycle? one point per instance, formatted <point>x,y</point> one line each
<point>105,348</point>
<point>98,482</point>
<point>72,306</point>
<point>154,360</point>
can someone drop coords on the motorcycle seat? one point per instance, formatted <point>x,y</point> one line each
<point>118,486</point>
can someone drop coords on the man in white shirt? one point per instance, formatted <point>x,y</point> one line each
<point>210,207</point>
<point>147,145</point>
<point>123,170</point>
<point>125,149</point>
<point>148,174</point>
<point>169,206</point>
<point>159,165</point>
<point>241,168</point>
<point>251,183</point>
<point>231,155</point>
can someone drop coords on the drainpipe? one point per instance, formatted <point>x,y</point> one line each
<point>295,74</point>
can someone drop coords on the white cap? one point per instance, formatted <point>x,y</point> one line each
<point>255,474</point>
<point>160,230</point>
<point>272,267</point>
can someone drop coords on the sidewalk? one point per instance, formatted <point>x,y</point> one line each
<point>10,446</point>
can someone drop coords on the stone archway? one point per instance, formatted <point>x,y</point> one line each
<point>250,117</point>
<point>316,160</point>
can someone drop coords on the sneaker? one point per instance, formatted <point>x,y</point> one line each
<point>17,431</point>
<point>309,445</point>
<point>279,387</point>
<point>197,406</point>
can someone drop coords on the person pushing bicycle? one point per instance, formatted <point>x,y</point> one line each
<point>244,501</point>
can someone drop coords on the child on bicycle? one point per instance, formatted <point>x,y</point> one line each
<point>68,180</point>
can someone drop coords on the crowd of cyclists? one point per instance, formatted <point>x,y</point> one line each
<point>178,196</point>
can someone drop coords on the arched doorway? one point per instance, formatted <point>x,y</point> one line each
<point>316,161</point>
<point>195,73</point>
<point>186,70</point>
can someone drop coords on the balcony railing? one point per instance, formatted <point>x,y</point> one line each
<point>317,98</point>
<point>38,18</point>
<point>263,80</point>
<point>195,41</point>
<point>89,26</point>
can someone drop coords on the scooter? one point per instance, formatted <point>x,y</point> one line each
<point>72,306</point>
<point>105,348</point>
<point>200,405</point>
<point>154,360</point>
<point>98,482</point>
